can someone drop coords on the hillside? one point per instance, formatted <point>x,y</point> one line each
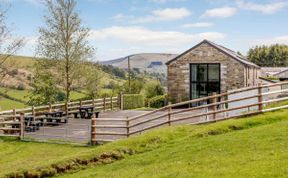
<point>15,84</point>
<point>149,62</point>
<point>248,147</point>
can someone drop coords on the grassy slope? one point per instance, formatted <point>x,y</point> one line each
<point>259,152</point>
<point>260,148</point>
<point>27,63</point>
<point>7,104</point>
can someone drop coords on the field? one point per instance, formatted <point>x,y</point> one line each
<point>18,98</point>
<point>13,98</point>
<point>248,147</point>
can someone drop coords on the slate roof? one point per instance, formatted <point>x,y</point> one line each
<point>226,51</point>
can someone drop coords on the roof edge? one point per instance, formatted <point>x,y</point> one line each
<point>215,46</point>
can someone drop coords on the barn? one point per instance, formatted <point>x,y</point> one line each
<point>207,68</point>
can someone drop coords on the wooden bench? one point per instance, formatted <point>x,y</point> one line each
<point>90,114</point>
<point>9,130</point>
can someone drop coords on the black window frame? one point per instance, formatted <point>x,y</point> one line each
<point>207,83</point>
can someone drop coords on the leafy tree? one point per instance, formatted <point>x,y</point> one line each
<point>92,80</point>
<point>114,71</point>
<point>137,85</point>
<point>153,89</point>
<point>63,42</point>
<point>269,56</point>
<point>44,89</point>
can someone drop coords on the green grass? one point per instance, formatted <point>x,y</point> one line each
<point>7,104</point>
<point>76,95</point>
<point>22,95</point>
<point>18,94</point>
<point>256,152</point>
<point>250,147</point>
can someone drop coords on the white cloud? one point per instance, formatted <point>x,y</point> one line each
<point>270,41</point>
<point>168,14</point>
<point>143,36</point>
<point>222,12</point>
<point>198,25</point>
<point>268,8</point>
<point>119,16</point>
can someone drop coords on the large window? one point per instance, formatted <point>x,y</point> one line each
<point>204,80</point>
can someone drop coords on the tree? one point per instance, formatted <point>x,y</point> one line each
<point>8,44</point>
<point>136,86</point>
<point>63,42</point>
<point>153,89</point>
<point>92,80</point>
<point>269,56</point>
<point>44,89</point>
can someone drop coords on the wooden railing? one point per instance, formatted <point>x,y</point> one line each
<point>231,104</point>
<point>9,119</point>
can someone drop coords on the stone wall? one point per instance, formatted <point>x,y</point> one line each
<point>232,72</point>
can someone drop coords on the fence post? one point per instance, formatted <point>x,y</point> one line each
<point>260,97</point>
<point>66,108</point>
<point>93,103</point>
<point>22,126</point>
<point>14,114</point>
<point>50,107</point>
<point>33,111</point>
<point>120,100</point>
<point>93,131</point>
<point>169,113</point>
<point>127,126</point>
<point>80,103</point>
<point>111,103</point>
<point>104,104</point>
<point>214,108</point>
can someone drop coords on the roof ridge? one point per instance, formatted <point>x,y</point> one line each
<point>225,50</point>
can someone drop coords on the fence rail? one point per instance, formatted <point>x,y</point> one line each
<point>10,127</point>
<point>217,107</point>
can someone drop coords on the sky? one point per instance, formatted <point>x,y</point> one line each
<point>123,27</point>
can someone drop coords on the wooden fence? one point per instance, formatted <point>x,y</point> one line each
<point>203,110</point>
<point>10,119</point>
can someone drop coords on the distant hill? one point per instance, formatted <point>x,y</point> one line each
<point>149,62</point>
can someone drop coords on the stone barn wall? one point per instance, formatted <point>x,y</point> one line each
<point>232,71</point>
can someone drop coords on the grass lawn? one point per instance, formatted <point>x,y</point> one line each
<point>7,104</point>
<point>255,152</point>
<point>250,147</point>
<point>76,95</point>
<point>18,94</point>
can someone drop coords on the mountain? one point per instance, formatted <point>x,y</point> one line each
<point>149,62</point>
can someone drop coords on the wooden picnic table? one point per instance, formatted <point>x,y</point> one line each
<point>54,114</point>
<point>86,111</point>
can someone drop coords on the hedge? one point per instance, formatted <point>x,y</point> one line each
<point>133,101</point>
<point>157,101</point>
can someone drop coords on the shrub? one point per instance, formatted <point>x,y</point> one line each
<point>21,86</point>
<point>136,86</point>
<point>153,89</point>
<point>14,72</point>
<point>157,101</point>
<point>60,96</point>
<point>133,101</point>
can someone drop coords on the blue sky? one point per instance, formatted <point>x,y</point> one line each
<point>122,27</point>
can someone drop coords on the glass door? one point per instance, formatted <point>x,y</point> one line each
<point>204,80</point>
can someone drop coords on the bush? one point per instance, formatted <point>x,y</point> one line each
<point>133,101</point>
<point>153,89</point>
<point>60,96</point>
<point>136,86</point>
<point>157,101</point>
<point>21,86</point>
